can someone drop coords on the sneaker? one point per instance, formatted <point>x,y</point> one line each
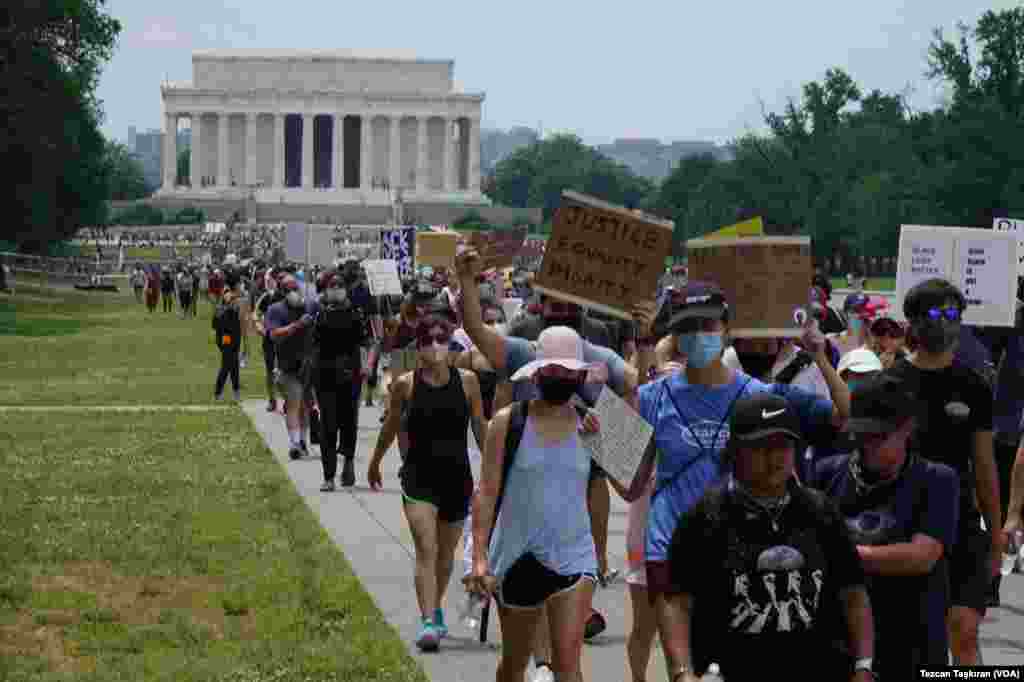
<point>543,674</point>
<point>305,450</point>
<point>596,624</point>
<point>295,453</point>
<point>272,406</point>
<point>428,639</point>
<point>442,629</point>
<point>327,487</point>
<point>218,396</point>
<point>348,472</point>
<point>238,396</point>
<point>608,578</point>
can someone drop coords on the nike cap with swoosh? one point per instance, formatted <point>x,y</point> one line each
<point>761,415</point>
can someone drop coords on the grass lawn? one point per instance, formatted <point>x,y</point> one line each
<point>874,283</point>
<point>158,545</point>
<point>61,346</point>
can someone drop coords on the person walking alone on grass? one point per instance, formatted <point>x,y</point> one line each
<point>227,324</point>
<point>167,290</point>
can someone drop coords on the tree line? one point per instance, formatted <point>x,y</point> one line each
<point>840,164</point>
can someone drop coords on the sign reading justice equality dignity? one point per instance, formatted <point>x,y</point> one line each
<point>604,256</point>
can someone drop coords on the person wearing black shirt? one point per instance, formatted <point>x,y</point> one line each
<point>339,334</point>
<point>897,509</point>
<point>764,568</point>
<point>954,427</point>
<point>264,299</point>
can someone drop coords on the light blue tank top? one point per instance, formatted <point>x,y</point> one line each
<point>544,510</point>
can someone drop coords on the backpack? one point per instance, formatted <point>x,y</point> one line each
<point>799,363</point>
<point>227,322</point>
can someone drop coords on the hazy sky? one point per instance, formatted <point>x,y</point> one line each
<point>670,69</point>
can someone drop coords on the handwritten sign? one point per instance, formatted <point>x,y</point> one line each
<point>498,248</point>
<point>436,249</point>
<point>765,280</point>
<point>603,256</point>
<point>1017,227</point>
<point>981,263</point>
<point>382,277</point>
<point>620,444</point>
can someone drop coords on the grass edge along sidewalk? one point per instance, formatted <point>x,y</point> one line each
<point>172,546</point>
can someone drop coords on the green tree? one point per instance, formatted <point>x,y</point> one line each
<point>125,174</point>
<point>53,52</point>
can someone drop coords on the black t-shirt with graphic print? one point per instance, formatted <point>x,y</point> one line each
<point>944,433</point>
<point>765,591</point>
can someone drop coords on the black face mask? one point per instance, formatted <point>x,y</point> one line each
<point>557,391</point>
<point>757,365</point>
<point>936,336</point>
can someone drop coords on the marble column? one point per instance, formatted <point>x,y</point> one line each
<point>395,152</point>
<point>251,172</point>
<point>338,155</point>
<point>223,159</point>
<point>449,154</point>
<point>170,151</point>
<point>196,155</point>
<point>366,152</point>
<point>473,181</point>
<point>422,151</point>
<point>278,151</point>
<point>307,151</point>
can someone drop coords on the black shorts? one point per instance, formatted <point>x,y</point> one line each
<point>529,583</point>
<point>448,490</point>
<point>970,576</point>
<point>269,354</point>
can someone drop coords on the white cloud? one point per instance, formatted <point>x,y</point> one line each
<point>161,33</point>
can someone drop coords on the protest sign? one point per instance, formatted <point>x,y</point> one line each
<point>436,249</point>
<point>981,263</point>
<point>382,277</point>
<point>619,445</point>
<point>295,242</point>
<point>766,281</point>
<point>1017,227</point>
<point>603,256</point>
<point>748,228</point>
<point>498,248</point>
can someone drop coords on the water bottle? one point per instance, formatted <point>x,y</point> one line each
<point>471,611</point>
<point>1014,549</point>
<point>712,674</point>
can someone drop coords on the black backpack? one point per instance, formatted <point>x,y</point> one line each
<point>227,322</point>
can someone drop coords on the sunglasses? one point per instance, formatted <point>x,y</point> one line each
<point>951,314</point>
<point>424,340</point>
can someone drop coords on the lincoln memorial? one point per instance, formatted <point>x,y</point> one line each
<point>324,128</point>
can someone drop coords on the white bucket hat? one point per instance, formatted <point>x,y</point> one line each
<point>858,361</point>
<point>560,346</point>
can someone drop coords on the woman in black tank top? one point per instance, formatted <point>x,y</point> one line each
<point>433,405</point>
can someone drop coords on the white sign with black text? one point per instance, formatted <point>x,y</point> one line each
<point>981,263</point>
<point>382,276</point>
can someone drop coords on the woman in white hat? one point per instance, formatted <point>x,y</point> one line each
<point>541,553</point>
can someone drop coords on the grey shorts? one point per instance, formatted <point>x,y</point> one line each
<point>293,387</point>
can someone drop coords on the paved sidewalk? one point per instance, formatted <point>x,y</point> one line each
<point>371,531</point>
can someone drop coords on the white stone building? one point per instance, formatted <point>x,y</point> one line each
<point>327,128</point>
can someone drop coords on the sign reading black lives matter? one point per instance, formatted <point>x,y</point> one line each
<point>981,263</point>
<point>603,256</point>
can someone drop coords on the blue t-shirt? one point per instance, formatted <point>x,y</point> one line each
<point>909,610</point>
<point>519,352</point>
<point>689,457</point>
<point>292,350</point>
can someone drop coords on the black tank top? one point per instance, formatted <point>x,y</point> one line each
<point>437,420</point>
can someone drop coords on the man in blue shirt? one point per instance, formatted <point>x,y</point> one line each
<point>690,414</point>
<point>899,511</point>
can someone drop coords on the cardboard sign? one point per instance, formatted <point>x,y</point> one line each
<point>748,228</point>
<point>603,256</point>
<point>981,263</point>
<point>1017,227</point>
<point>498,248</point>
<point>766,281</point>
<point>436,249</point>
<point>382,276</point>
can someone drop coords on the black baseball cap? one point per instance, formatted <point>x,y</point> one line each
<point>761,415</point>
<point>883,403</point>
<point>697,299</point>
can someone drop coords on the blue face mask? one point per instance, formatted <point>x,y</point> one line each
<point>856,324</point>
<point>700,349</point>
